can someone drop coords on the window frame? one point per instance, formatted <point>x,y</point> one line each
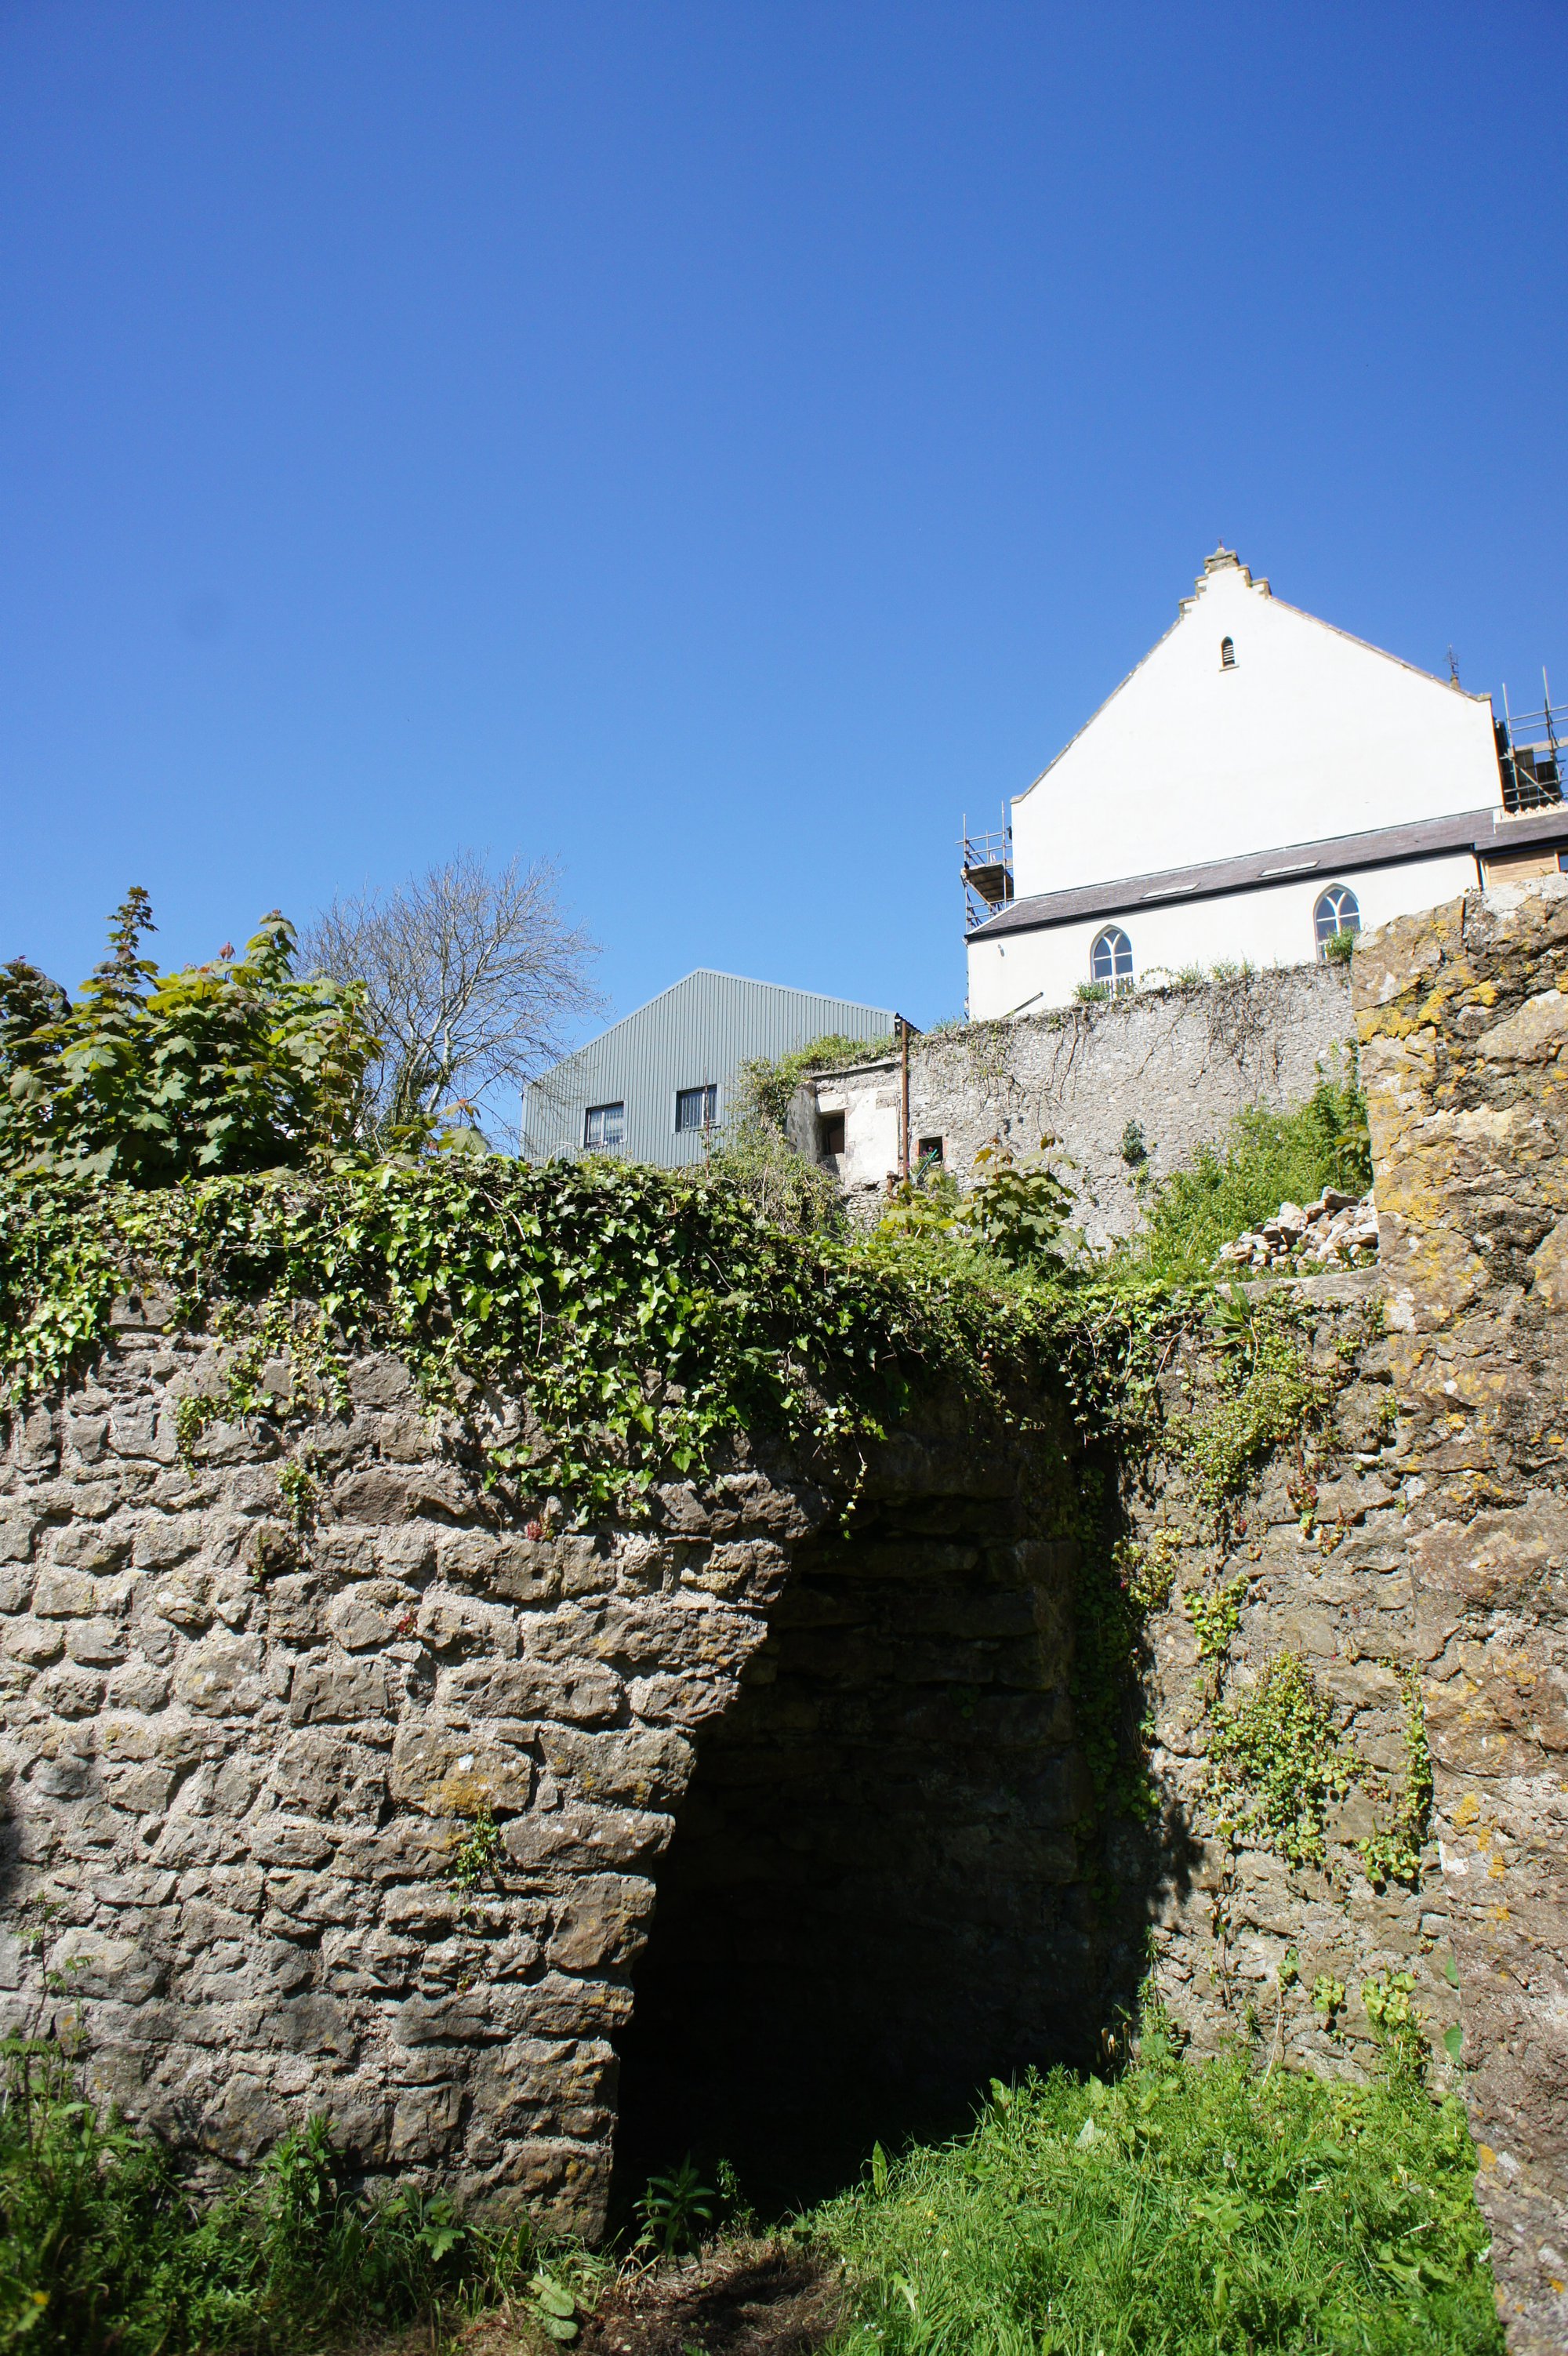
<point>1342,891</point>
<point>603,1144</point>
<point>1115,939</point>
<point>709,1092</point>
<point>1226,654</point>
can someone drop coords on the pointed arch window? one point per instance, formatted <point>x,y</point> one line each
<point>1337,911</point>
<point>1226,654</point>
<point>1111,959</point>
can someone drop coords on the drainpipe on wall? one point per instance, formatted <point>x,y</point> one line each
<point>902,1099</point>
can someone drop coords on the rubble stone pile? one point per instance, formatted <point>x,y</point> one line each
<point>1337,1230</point>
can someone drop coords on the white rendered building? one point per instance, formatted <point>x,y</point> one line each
<point>1260,782</point>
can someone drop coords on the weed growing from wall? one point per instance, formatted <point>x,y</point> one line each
<point>1277,1764</point>
<point>1256,1387</point>
<point>1394,1854</point>
<point>1388,1999</point>
<point>1216,1617</point>
<point>476,1856</point>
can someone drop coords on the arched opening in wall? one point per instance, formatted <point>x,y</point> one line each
<point>1336,917</point>
<point>1111,960</point>
<point>877,1897</point>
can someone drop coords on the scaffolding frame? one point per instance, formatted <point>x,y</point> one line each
<point>1529,753</point>
<point>986,870</point>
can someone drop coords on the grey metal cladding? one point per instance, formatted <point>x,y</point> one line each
<point>695,1035</point>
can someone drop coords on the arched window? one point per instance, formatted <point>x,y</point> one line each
<point>1337,911</point>
<point>1226,654</point>
<point>1111,959</point>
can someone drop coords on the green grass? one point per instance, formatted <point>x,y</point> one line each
<point>1269,1158</point>
<point>1185,2212</point>
<point>103,2253</point>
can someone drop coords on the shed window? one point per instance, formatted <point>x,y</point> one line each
<point>929,1154</point>
<point>832,1133</point>
<point>1226,654</point>
<point>696,1107</point>
<point>605,1126</point>
<point>1111,959</point>
<point>1337,911</point>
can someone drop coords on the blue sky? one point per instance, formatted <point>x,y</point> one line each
<point>718,446</point>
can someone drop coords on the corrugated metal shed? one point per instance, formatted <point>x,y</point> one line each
<point>693,1035</point>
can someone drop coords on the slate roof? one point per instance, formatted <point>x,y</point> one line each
<point>1486,832</point>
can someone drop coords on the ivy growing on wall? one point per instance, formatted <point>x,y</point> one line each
<point>642,1318</point>
<point>1277,1761</point>
<point>635,1318</point>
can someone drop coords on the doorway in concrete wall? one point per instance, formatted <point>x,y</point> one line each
<point>874,1900</point>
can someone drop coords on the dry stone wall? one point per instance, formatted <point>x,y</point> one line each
<point>1463,1022</point>
<point>329,1786</point>
<point>1313,1566</point>
<point>1422,1549</point>
<point>1180,1063</point>
<point>328,1790</point>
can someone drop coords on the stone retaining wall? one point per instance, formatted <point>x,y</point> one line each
<point>327,1788</point>
<point>1179,1062</point>
<point>1463,1024</point>
<point>1317,1562</point>
<point>363,1817</point>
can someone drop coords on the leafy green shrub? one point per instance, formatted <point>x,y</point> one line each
<point>752,1151</point>
<point>754,1158</point>
<point>1185,2212</point>
<point>767,1082</point>
<point>150,1077</point>
<point>1013,1218</point>
<point>103,2253</point>
<point>1270,1158</point>
<point>1019,1209</point>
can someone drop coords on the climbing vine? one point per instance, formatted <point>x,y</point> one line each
<point>1255,1386</point>
<point>1279,1762</point>
<point>635,1318</point>
<point>644,1318</point>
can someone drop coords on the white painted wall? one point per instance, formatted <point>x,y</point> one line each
<point>1312,734</point>
<point>1269,924</point>
<point>868,1097</point>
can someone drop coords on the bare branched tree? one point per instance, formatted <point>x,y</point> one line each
<point>471,974</point>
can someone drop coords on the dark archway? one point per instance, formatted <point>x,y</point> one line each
<point>877,1897</point>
